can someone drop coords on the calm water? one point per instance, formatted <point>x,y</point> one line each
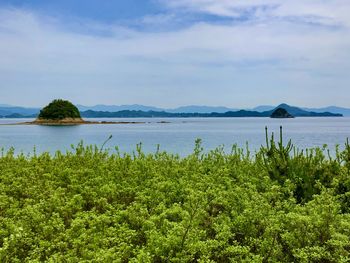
<point>178,136</point>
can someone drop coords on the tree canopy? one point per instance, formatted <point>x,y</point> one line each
<point>59,109</point>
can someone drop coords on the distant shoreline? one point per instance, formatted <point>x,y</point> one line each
<point>162,114</point>
<point>52,123</point>
<point>72,123</point>
<point>149,112</point>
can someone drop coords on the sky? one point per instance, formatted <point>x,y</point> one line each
<point>169,53</point>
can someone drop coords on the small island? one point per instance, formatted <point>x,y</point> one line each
<point>59,112</point>
<point>62,113</point>
<point>281,113</point>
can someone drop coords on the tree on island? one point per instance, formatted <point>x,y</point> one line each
<point>281,113</point>
<point>59,110</point>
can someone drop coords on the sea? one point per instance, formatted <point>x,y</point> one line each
<point>174,135</point>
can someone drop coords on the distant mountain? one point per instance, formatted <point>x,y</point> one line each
<point>200,109</point>
<point>334,109</point>
<point>263,108</point>
<point>281,113</point>
<point>203,109</point>
<point>298,112</point>
<point>114,108</point>
<point>295,111</point>
<point>137,107</point>
<point>164,114</point>
<point>18,116</point>
<point>192,110</point>
<point>8,110</point>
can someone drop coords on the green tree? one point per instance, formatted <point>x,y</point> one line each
<point>59,109</point>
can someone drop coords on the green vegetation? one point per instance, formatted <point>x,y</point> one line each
<point>278,205</point>
<point>281,113</point>
<point>59,110</point>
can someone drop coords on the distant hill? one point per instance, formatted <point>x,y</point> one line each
<point>200,109</point>
<point>281,113</point>
<point>138,107</point>
<point>18,116</point>
<point>8,110</point>
<point>206,109</point>
<point>294,111</point>
<point>335,109</point>
<point>263,108</point>
<point>164,114</point>
<point>14,116</point>
<point>298,112</point>
<point>114,108</point>
<point>193,110</point>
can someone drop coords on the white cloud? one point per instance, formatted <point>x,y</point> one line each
<point>328,12</point>
<point>43,53</point>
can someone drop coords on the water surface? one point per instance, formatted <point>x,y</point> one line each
<point>178,136</point>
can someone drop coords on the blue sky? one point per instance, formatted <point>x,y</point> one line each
<point>170,53</point>
<point>102,10</point>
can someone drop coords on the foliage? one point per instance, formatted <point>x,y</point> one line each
<point>281,113</point>
<point>58,110</point>
<point>280,205</point>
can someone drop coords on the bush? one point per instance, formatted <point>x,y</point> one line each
<point>90,205</point>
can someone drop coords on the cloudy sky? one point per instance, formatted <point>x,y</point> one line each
<point>168,53</point>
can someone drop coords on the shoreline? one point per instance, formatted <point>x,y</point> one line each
<point>72,123</point>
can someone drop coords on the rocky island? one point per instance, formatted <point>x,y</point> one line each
<point>62,112</point>
<point>59,112</point>
<point>281,113</point>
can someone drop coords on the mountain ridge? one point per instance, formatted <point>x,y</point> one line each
<point>240,113</point>
<point>191,110</point>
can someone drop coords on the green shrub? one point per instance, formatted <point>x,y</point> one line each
<point>89,205</point>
